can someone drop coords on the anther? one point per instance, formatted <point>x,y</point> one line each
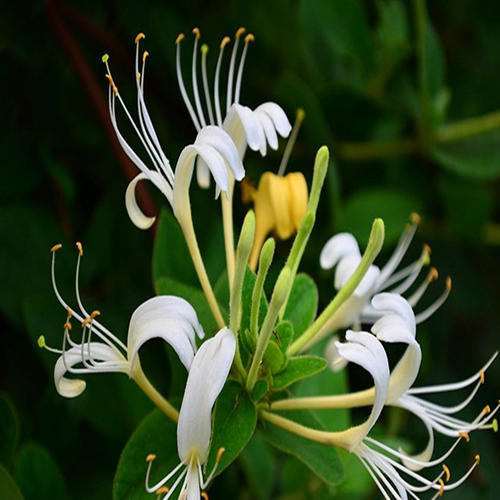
<point>146,54</point>
<point>41,341</point>
<point>196,33</point>
<point>494,425</point>
<point>481,376</point>
<point>415,218</point>
<point>486,410</point>
<point>138,75</point>
<point>80,248</point>
<point>219,454</point>
<point>70,312</point>
<point>67,325</point>
<point>224,42</point>
<point>448,283</point>
<point>447,472</point>
<point>55,248</point>
<point>204,495</point>
<point>105,58</point>
<point>150,457</point>
<point>432,275</point>
<point>477,458</point>
<point>464,435</point>
<point>441,490</point>
<point>94,314</point>
<point>426,248</point>
<point>240,32</point>
<point>162,490</point>
<point>86,321</point>
<point>179,38</point>
<point>139,37</point>
<point>249,38</point>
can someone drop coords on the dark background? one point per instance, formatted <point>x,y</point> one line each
<point>354,67</point>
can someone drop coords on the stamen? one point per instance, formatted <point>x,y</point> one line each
<point>55,248</point>
<point>415,218</point>
<point>94,314</point>
<point>196,33</point>
<point>441,490</point>
<point>162,490</point>
<point>179,38</point>
<point>229,97</point>
<point>447,472</point>
<point>427,313</point>
<point>219,454</point>
<point>86,321</point>
<point>248,38</point>
<point>42,345</point>
<point>464,435</point>
<point>80,248</point>
<point>494,425</point>
<point>223,43</point>
<point>481,376</point>
<point>139,37</point>
<point>299,118</point>
<point>150,457</point>
<point>204,495</point>
<point>194,77</point>
<point>432,275</point>
<point>204,51</point>
<point>487,408</point>
<point>477,458</point>
<point>67,325</point>
<point>70,312</point>
<point>144,56</point>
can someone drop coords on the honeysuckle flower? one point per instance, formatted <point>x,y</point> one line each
<point>342,251</point>
<point>213,145</point>
<point>206,378</point>
<point>167,317</point>
<point>255,128</point>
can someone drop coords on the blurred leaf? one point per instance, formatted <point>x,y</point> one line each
<point>259,465</point>
<point>323,460</point>
<point>156,434</point>
<point>8,488</point>
<point>37,474</point>
<point>171,257</point>
<point>234,424</point>
<point>298,368</point>
<point>302,304</point>
<point>435,62</point>
<point>9,430</point>
<point>393,206</point>
<point>477,157</point>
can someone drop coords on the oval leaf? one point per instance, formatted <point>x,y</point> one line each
<point>302,304</point>
<point>298,368</point>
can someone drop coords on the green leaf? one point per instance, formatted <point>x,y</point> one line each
<point>156,434</point>
<point>392,205</point>
<point>323,460</point>
<point>298,368</point>
<point>260,390</point>
<point>8,487</point>
<point>259,465</point>
<point>273,357</point>
<point>170,253</point>
<point>38,474</point>
<point>477,157</point>
<point>234,424</point>
<point>284,334</point>
<point>169,286</point>
<point>302,304</point>
<point>246,298</point>
<point>9,430</point>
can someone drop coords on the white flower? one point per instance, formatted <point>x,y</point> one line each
<point>206,378</point>
<point>342,250</point>
<point>394,479</point>
<point>213,146</point>
<point>167,317</point>
<point>255,128</point>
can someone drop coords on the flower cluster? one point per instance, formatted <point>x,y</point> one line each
<point>372,304</point>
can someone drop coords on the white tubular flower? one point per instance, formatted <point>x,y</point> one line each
<point>342,251</point>
<point>213,145</point>
<point>394,479</point>
<point>256,128</point>
<point>167,317</point>
<point>207,376</point>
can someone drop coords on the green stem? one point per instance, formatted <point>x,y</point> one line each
<point>372,250</point>
<point>277,299</point>
<point>266,257</point>
<point>145,385</point>
<point>227,224</point>
<point>468,127</point>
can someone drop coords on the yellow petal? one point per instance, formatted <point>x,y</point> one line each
<point>298,197</point>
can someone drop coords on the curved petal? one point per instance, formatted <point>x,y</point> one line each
<point>253,129</point>
<point>396,303</point>
<point>70,388</point>
<point>169,318</point>
<point>206,379</point>
<point>297,186</point>
<point>202,174</point>
<point>268,127</point>
<point>336,247</point>
<point>335,361</point>
<point>345,269</point>
<point>278,116</point>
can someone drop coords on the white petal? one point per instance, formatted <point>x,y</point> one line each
<point>268,127</point>
<point>395,303</point>
<point>206,379</point>
<point>223,143</point>
<point>278,116</point>
<point>335,361</point>
<point>336,247</point>
<point>346,268</point>
<point>169,318</point>
<point>70,388</point>
<point>253,129</point>
<point>134,212</point>
<point>202,174</point>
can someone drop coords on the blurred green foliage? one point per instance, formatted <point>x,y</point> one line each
<point>406,97</point>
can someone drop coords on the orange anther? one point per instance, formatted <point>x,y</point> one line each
<point>249,38</point>
<point>447,472</point>
<point>448,283</point>
<point>433,275</point>
<point>487,409</point>
<point>150,457</point>
<point>464,435</point>
<point>219,454</point>
<point>80,248</point>
<point>204,495</point>
<point>110,79</point>
<point>67,325</point>
<point>196,33</point>
<point>441,490</point>
<point>94,314</point>
<point>415,218</point>
<point>426,248</point>
<point>139,37</point>
<point>481,376</point>
<point>70,312</point>
<point>224,42</point>
<point>179,38</point>
<point>162,490</point>
<point>86,321</point>
<point>477,458</point>
<point>239,32</point>
<point>146,54</point>
<point>138,75</point>
<point>55,248</point>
